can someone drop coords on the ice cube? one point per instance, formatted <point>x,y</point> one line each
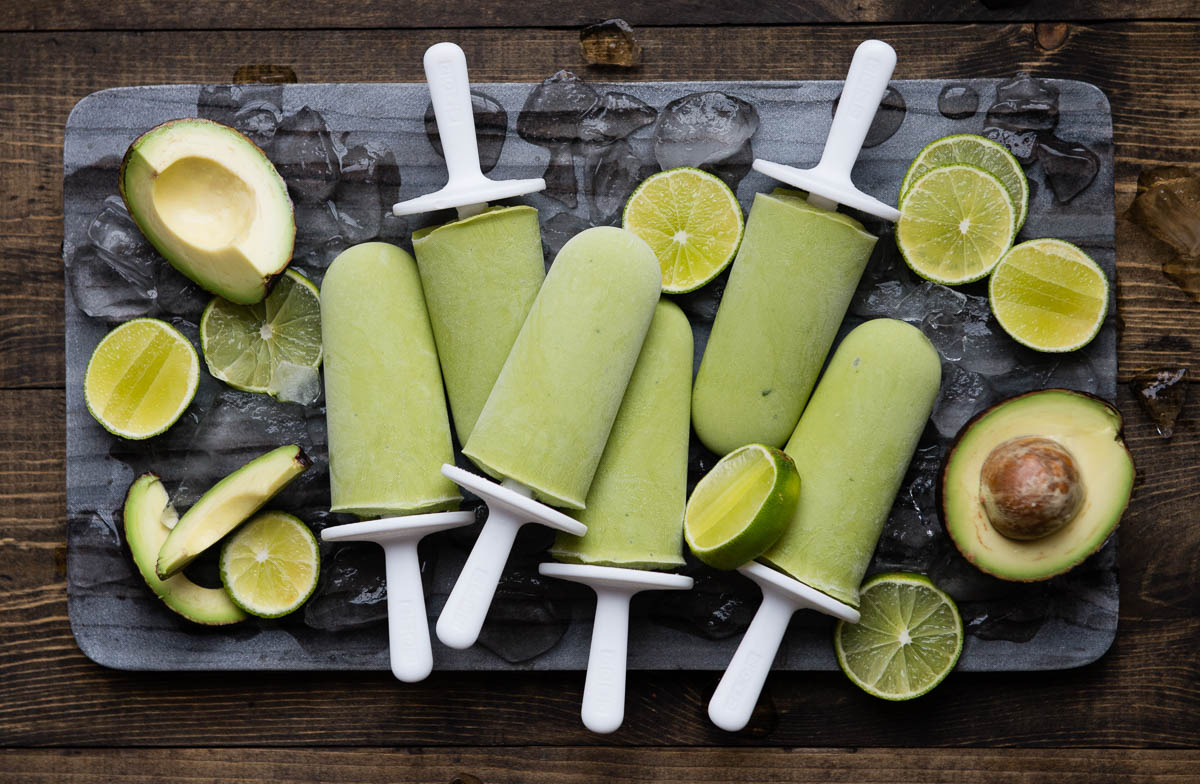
<point>253,109</point>
<point>610,42</point>
<point>292,383</point>
<point>305,154</point>
<point>703,129</point>
<point>491,128</point>
<point>368,185</point>
<point>610,176</point>
<point>615,116</point>
<point>525,620</point>
<point>888,117</point>
<point>352,591</point>
<point>551,118</point>
<point>1162,393</point>
<point>963,395</point>
<point>1168,206</point>
<point>1024,104</point>
<point>1069,167</point>
<point>113,275</point>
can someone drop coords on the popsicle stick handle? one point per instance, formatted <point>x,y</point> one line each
<point>866,82</point>
<point>733,702</point>
<point>469,600</point>
<point>408,628</point>
<point>604,689</point>
<point>446,73</point>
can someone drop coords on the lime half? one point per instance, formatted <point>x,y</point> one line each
<point>742,506</point>
<point>955,224</point>
<point>907,640</point>
<point>693,222</point>
<point>993,157</point>
<point>244,345</point>
<point>270,565</point>
<point>141,378</point>
<point>1049,295</point>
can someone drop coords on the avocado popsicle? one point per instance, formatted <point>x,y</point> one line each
<point>635,506</point>
<point>480,275</point>
<point>789,287</point>
<point>388,429</point>
<point>852,448</point>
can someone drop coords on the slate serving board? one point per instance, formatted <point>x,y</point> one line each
<point>349,150</point>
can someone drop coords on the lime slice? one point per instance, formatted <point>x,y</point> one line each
<point>244,345</point>
<point>141,378</point>
<point>1049,295</point>
<point>270,565</point>
<point>742,506</point>
<point>693,222</point>
<point>907,641</point>
<point>993,157</point>
<point>956,223</point>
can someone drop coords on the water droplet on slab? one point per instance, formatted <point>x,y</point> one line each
<point>491,127</point>
<point>888,117</point>
<point>1162,393</point>
<point>1022,144</point>
<point>958,101</point>
<point>610,42</point>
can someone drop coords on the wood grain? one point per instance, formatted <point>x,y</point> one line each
<point>1154,121</point>
<point>236,14</point>
<point>587,765</point>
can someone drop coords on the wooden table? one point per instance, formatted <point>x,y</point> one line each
<point>1134,714</point>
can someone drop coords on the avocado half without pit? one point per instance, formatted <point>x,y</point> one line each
<point>1034,485</point>
<point>208,199</point>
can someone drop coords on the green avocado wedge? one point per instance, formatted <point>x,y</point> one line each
<point>228,504</point>
<point>147,507</point>
<point>212,203</point>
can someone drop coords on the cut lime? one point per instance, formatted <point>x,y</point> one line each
<point>907,640</point>
<point>693,222</point>
<point>244,345</point>
<point>742,506</point>
<point>955,224</point>
<point>993,157</point>
<point>1049,295</point>
<point>141,378</point>
<point>270,565</point>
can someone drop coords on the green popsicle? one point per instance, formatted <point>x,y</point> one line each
<point>852,448</point>
<point>480,276</point>
<point>635,507</point>
<point>548,416</point>
<point>789,287</point>
<point>389,433</point>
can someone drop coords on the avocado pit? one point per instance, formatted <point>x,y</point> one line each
<point>1030,487</point>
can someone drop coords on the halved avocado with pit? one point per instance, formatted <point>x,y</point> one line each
<point>208,199</point>
<point>147,509</point>
<point>1034,485</point>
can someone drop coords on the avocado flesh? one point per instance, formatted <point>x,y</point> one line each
<point>146,507</point>
<point>1090,429</point>
<point>228,504</point>
<point>208,199</point>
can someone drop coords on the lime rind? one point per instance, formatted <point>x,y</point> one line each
<point>975,150</point>
<point>247,362</point>
<point>872,652</point>
<point>244,572</point>
<point>742,506</point>
<point>1066,250</point>
<point>661,208</point>
<point>193,381</point>
<point>931,234</point>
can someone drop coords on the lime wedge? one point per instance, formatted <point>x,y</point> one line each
<point>244,345</point>
<point>270,565</point>
<point>693,222</point>
<point>993,157</point>
<point>1049,295</point>
<point>141,378</point>
<point>955,224</point>
<point>907,640</point>
<point>742,506</point>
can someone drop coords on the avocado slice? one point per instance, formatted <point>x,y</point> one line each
<point>1034,485</point>
<point>228,504</point>
<point>146,509</point>
<point>208,199</point>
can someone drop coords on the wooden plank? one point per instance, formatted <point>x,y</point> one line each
<point>579,765</point>
<point>43,75</point>
<point>1144,692</point>
<point>415,14</point>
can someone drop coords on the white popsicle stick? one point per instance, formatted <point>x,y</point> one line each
<point>408,628</point>
<point>467,188</point>
<point>509,507</point>
<point>603,707</point>
<point>828,183</point>
<point>733,702</point>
